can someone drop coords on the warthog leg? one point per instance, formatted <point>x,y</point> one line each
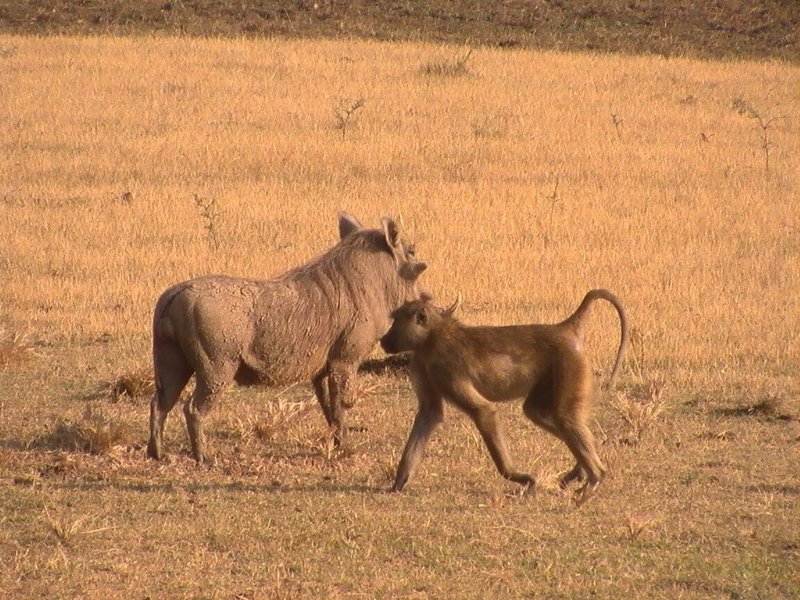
<point>320,383</point>
<point>203,399</point>
<point>173,372</point>
<point>340,386</point>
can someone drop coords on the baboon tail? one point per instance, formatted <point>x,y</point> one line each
<point>577,317</point>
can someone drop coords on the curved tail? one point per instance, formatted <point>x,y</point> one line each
<point>576,319</point>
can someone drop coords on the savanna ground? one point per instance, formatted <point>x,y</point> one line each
<point>525,178</point>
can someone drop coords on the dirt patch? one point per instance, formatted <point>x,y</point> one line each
<point>726,29</point>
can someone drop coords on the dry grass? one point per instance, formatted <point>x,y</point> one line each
<point>95,432</point>
<point>130,384</point>
<point>15,348</point>
<point>521,193</point>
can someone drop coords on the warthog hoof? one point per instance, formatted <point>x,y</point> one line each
<point>154,450</point>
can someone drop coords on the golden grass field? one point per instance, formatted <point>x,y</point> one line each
<point>525,179</point>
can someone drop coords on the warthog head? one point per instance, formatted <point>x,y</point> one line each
<point>407,267</point>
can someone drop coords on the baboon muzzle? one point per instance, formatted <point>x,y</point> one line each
<point>388,344</point>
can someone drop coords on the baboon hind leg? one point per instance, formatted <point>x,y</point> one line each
<point>539,407</point>
<point>484,414</point>
<point>172,372</point>
<point>580,441</point>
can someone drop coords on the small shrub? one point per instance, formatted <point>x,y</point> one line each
<point>641,413</point>
<point>743,107</point>
<point>281,416</point>
<point>67,529</point>
<point>211,213</point>
<point>637,524</point>
<point>456,67</point>
<point>344,111</point>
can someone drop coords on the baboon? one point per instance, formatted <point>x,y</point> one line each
<point>477,367</point>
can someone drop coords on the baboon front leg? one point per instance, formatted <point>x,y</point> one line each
<point>429,414</point>
<point>341,382</point>
<point>485,419</point>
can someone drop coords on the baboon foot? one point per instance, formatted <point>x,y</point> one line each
<point>399,483</point>
<point>523,479</point>
<point>585,492</point>
<point>575,474</point>
<point>529,489</point>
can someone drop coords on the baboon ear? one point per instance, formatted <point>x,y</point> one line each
<point>421,317</point>
<point>450,310</point>
<point>425,297</point>
<point>347,224</point>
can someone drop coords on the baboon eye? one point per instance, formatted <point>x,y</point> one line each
<point>422,317</point>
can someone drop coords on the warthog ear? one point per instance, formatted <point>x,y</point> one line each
<point>414,270</point>
<point>392,234</point>
<point>347,225</point>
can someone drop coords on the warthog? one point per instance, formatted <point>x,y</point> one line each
<point>316,322</point>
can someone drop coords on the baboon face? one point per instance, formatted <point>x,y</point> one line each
<point>410,326</point>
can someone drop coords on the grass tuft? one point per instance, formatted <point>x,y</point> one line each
<point>636,524</point>
<point>136,383</point>
<point>94,433</point>
<point>15,348</point>
<point>768,405</point>
<point>456,67</point>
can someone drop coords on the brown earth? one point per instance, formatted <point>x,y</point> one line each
<point>712,29</point>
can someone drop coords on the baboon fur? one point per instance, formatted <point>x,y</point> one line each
<point>477,367</point>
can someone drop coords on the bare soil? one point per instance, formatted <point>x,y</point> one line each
<point>730,29</point>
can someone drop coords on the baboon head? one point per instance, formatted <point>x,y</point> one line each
<point>413,322</point>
